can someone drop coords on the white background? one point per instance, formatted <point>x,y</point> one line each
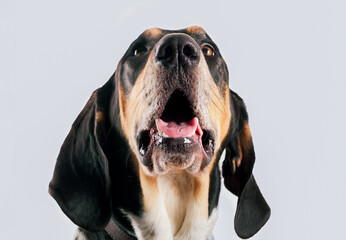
<point>286,59</point>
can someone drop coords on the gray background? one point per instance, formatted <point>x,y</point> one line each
<point>286,59</point>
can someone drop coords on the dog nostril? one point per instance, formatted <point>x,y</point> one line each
<point>190,54</point>
<point>166,53</point>
<point>189,51</point>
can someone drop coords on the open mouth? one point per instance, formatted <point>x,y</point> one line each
<point>177,130</point>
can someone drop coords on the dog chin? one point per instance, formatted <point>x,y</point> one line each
<point>167,154</point>
<point>164,162</point>
<point>176,162</point>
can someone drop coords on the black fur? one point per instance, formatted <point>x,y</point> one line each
<point>252,210</point>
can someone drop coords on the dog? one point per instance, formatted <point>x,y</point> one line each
<point>142,158</point>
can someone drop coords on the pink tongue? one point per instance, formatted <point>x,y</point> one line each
<point>183,129</point>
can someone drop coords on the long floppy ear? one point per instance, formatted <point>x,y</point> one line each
<point>81,183</point>
<point>252,209</point>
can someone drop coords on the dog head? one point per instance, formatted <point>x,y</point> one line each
<point>168,107</point>
<point>174,100</point>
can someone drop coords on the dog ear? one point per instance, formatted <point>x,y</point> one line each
<point>81,183</point>
<point>252,209</point>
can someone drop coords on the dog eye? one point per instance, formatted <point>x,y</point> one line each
<point>139,51</point>
<point>208,50</point>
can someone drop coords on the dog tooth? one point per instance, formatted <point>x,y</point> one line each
<point>186,140</point>
<point>157,126</point>
<point>141,151</point>
<point>164,135</point>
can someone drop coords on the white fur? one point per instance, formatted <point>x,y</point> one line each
<point>175,215</point>
<point>153,225</point>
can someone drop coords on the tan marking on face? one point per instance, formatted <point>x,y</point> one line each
<point>216,103</point>
<point>195,30</point>
<point>123,112</point>
<point>132,109</point>
<point>152,32</point>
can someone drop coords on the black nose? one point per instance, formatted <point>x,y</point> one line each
<point>177,49</point>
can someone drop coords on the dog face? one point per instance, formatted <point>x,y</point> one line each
<point>174,100</point>
<point>145,149</point>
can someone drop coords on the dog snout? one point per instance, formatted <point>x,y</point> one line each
<point>177,50</point>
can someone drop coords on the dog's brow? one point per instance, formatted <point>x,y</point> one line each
<point>152,32</point>
<point>195,30</point>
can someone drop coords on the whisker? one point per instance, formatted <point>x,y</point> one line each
<point>109,131</point>
<point>127,158</point>
<point>215,94</point>
<point>219,100</point>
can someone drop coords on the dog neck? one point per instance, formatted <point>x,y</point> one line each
<point>176,190</point>
<point>175,207</point>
